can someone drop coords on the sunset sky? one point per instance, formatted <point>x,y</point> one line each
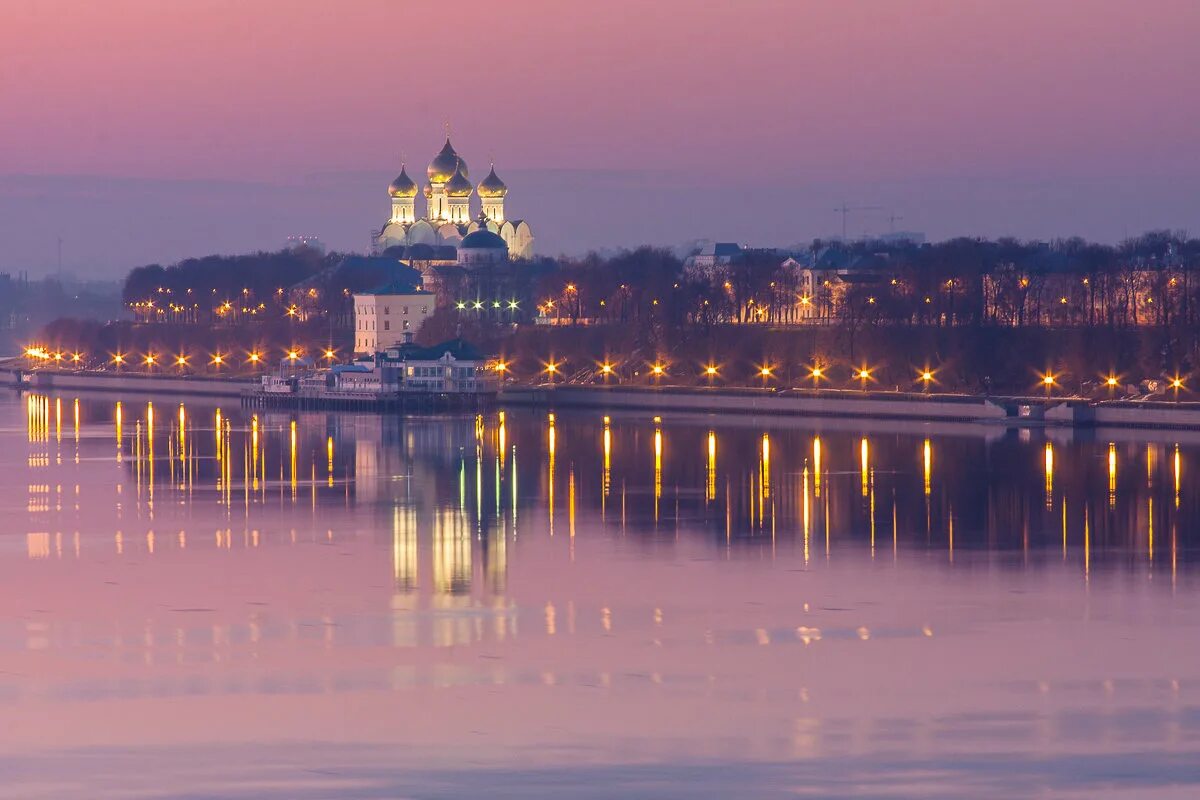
<point>139,130</point>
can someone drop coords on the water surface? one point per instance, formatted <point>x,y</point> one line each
<point>202,602</point>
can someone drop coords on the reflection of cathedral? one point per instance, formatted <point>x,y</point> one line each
<point>448,218</point>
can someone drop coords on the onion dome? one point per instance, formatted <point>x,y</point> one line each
<point>482,239</point>
<point>444,164</point>
<point>458,185</point>
<point>403,186</point>
<point>492,186</point>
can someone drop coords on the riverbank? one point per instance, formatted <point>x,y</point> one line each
<point>995,410</point>
<point>1075,412</point>
<point>192,385</point>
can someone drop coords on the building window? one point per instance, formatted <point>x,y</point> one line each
<point>387,324</point>
<point>424,309</point>
<point>406,310</point>
<point>405,324</point>
<point>387,310</point>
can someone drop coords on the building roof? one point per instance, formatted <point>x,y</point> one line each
<point>403,186</point>
<point>444,164</point>
<point>458,185</point>
<point>459,349</point>
<point>482,239</point>
<point>396,287</point>
<point>492,186</point>
<point>721,249</point>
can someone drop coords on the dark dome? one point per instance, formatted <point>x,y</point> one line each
<point>482,240</point>
<point>492,186</point>
<point>444,164</point>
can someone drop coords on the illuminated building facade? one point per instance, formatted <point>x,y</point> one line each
<point>389,316</point>
<point>448,217</point>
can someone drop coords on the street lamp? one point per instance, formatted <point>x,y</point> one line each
<point>1048,381</point>
<point>764,372</point>
<point>606,370</point>
<point>218,360</point>
<point>710,372</point>
<point>863,374</point>
<point>817,373</point>
<point>926,377</point>
<point>657,370</point>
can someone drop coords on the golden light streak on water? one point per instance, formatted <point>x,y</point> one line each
<point>711,482</point>
<point>806,513</point>
<point>1112,474</point>
<point>606,480</point>
<point>254,449</point>
<point>1049,458</point>
<point>816,466</point>
<point>550,471</point>
<point>864,465</point>
<point>571,509</point>
<point>1178,473</point>
<point>150,454</point>
<point>292,456</point>
<point>927,461</point>
<point>329,458</point>
<point>766,468</point>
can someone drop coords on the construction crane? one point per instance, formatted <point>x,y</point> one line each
<point>845,210</point>
<point>892,218</point>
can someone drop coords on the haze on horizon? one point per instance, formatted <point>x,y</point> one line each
<point>140,131</point>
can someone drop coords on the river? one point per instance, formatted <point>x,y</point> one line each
<point>202,602</point>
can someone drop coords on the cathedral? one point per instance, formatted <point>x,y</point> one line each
<point>448,218</point>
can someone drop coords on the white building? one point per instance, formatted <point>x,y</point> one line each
<point>389,316</point>
<point>448,216</point>
<point>454,367</point>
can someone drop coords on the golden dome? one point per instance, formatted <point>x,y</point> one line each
<point>444,164</point>
<point>403,186</point>
<point>492,186</point>
<point>458,185</point>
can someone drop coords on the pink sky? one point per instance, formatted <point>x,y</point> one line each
<point>830,99</point>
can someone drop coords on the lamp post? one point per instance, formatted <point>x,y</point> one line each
<point>710,372</point>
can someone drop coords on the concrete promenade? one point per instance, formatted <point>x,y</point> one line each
<point>1016,411</point>
<point>831,403</point>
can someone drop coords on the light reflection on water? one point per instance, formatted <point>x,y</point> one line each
<point>579,595</point>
